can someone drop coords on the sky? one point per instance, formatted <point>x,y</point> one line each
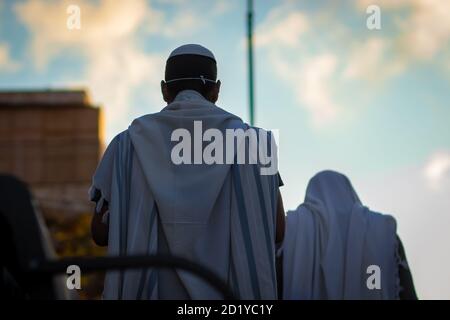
<point>372,104</point>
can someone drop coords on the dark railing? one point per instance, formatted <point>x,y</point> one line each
<point>51,267</point>
<point>22,232</point>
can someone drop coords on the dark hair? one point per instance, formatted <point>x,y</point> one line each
<point>190,66</point>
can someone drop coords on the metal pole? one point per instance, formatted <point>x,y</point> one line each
<point>250,60</point>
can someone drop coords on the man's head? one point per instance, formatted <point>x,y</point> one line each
<point>191,67</point>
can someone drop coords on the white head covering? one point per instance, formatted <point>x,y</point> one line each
<point>331,240</point>
<point>192,49</point>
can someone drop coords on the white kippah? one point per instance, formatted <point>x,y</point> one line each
<point>192,49</point>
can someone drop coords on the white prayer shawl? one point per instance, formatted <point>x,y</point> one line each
<point>330,242</point>
<point>220,216</point>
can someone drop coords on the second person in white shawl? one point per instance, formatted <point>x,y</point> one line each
<point>336,248</point>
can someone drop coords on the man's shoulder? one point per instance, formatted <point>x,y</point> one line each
<point>145,118</point>
<point>142,122</point>
<point>119,136</point>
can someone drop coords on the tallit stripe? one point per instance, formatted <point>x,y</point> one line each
<point>144,272</point>
<point>353,259</point>
<point>152,283</point>
<point>274,183</point>
<point>246,232</point>
<point>124,197</point>
<point>119,187</point>
<point>264,218</point>
<point>234,281</point>
<point>129,162</point>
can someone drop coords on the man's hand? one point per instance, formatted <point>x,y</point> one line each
<point>99,229</point>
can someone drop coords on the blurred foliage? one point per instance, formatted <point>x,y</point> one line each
<point>71,236</point>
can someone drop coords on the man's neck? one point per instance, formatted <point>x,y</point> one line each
<point>189,95</point>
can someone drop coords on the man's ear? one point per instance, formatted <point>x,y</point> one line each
<point>165,91</point>
<point>214,93</point>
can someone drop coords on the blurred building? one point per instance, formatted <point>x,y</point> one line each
<point>52,140</point>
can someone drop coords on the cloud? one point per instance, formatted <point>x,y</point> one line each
<point>218,7</point>
<point>311,80</point>
<point>315,88</point>
<point>221,7</point>
<point>385,4</point>
<point>103,25</point>
<point>369,60</point>
<point>114,78</point>
<point>422,34</point>
<point>310,76</point>
<point>437,169</point>
<point>281,29</point>
<point>7,64</point>
<point>312,84</point>
<point>187,20</point>
<point>427,30</point>
<point>182,23</point>
<point>297,42</point>
<point>110,42</point>
<point>115,65</point>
